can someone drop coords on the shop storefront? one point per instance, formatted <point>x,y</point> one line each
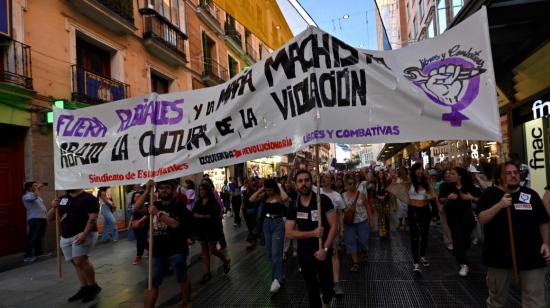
<point>269,167</point>
<point>531,135</point>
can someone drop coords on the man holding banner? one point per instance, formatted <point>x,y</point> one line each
<point>78,211</point>
<point>531,235</point>
<point>171,236</point>
<point>314,261</point>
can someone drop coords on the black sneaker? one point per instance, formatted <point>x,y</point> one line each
<point>79,295</point>
<point>226,266</point>
<point>91,294</point>
<point>206,278</point>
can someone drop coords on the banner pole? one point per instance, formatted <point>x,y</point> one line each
<point>150,251</point>
<point>319,213</point>
<point>512,244</point>
<point>57,245</point>
<point>510,230</point>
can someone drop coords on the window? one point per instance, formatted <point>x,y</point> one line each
<point>93,58</point>
<point>457,5</point>
<point>441,16</point>
<point>159,84</point>
<point>414,28</point>
<point>431,28</point>
<point>208,46</point>
<point>167,8</point>
<point>407,11</point>
<point>233,66</point>
<point>421,9</point>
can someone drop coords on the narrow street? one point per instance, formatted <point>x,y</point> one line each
<point>386,280</point>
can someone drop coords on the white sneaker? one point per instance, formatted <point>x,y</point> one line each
<point>464,270</point>
<point>475,241</point>
<point>416,268</point>
<point>450,247</point>
<point>275,286</point>
<point>424,262</point>
<point>294,253</point>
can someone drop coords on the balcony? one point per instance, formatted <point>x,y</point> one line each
<point>15,68</point>
<point>94,89</point>
<point>117,15</point>
<point>233,38</point>
<point>209,13</point>
<point>163,39</point>
<point>213,73</point>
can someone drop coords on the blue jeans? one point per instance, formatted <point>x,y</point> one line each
<point>109,224</point>
<point>129,214</point>
<point>37,228</point>
<point>274,233</point>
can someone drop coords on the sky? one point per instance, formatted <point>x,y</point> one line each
<point>353,21</point>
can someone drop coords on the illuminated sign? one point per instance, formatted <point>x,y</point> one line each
<point>475,152</point>
<point>540,109</point>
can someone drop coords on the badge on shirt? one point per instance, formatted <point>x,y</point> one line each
<point>523,206</point>
<point>525,198</point>
<point>302,215</point>
<point>314,215</point>
<point>64,201</point>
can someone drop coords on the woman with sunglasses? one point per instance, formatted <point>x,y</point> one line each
<point>357,232</point>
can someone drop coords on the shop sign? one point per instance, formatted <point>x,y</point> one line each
<point>540,109</point>
<point>536,157</point>
<point>474,148</point>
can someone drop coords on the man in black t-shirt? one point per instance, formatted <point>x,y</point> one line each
<point>78,212</point>
<point>314,261</point>
<point>531,236</point>
<point>171,237</point>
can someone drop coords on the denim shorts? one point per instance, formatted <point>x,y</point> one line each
<point>356,234</point>
<point>161,264</point>
<point>72,250</point>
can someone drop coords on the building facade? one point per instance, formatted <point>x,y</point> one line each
<point>87,52</point>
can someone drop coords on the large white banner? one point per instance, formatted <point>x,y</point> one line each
<point>315,89</point>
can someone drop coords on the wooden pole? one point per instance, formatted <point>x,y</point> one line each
<point>319,212</point>
<point>510,226</point>
<point>150,252</point>
<point>512,244</point>
<point>57,245</point>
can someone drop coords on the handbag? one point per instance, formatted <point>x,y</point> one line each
<point>348,215</point>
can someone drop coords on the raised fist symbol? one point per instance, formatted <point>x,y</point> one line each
<point>446,82</point>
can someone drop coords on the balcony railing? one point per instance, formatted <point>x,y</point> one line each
<point>164,33</point>
<point>232,33</point>
<point>15,67</point>
<point>124,8</point>
<point>251,52</point>
<point>214,71</point>
<point>94,89</point>
<point>211,10</point>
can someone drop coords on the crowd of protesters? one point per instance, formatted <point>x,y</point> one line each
<point>469,201</point>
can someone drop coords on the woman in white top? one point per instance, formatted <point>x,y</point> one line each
<point>358,231</point>
<point>419,215</point>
